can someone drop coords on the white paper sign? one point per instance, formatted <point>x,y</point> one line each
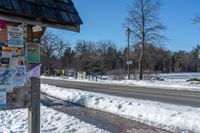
<point>37,28</point>
<point>15,36</point>
<point>19,78</point>
<point>129,62</point>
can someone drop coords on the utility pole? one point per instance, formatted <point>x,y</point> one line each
<point>128,53</point>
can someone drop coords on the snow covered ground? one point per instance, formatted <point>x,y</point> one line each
<point>16,121</point>
<point>175,81</point>
<point>166,116</point>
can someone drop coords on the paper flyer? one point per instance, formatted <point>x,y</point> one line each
<point>16,52</point>
<point>5,62</point>
<point>6,75</point>
<point>33,53</point>
<point>2,24</point>
<point>19,78</point>
<point>15,36</point>
<point>2,98</point>
<point>6,52</point>
<point>2,72</point>
<point>1,46</point>
<point>34,72</point>
<point>13,77</point>
<point>13,62</point>
<point>21,60</point>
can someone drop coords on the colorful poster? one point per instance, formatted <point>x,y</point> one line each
<point>6,52</point>
<point>37,28</point>
<point>2,24</point>
<point>13,62</point>
<point>34,72</point>
<point>2,98</point>
<point>19,78</point>
<point>21,60</point>
<point>5,62</point>
<point>1,46</point>
<point>2,72</point>
<point>16,52</point>
<point>33,53</point>
<point>15,36</point>
<point>6,75</point>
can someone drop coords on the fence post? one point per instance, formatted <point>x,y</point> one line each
<point>34,109</point>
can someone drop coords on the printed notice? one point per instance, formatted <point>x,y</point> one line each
<point>33,52</point>
<point>15,36</point>
<point>2,98</point>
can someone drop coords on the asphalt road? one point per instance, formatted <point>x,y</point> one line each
<point>188,98</point>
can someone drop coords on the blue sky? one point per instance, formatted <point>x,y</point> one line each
<point>103,20</point>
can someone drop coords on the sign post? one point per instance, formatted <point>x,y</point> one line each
<point>33,59</point>
<point>34,109</point>
<point>129,62</point>
<point>128,52</point>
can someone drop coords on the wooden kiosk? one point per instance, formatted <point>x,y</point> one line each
<point>22,24</point>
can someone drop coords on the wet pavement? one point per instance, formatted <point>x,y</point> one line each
<point>103,120</point>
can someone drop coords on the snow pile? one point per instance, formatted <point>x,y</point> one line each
<point>16,121</point>
<point>176,81</point>
<point>179,76</point>
<point>58,77</point>
<point>166,116</point>
<point>167,84</point>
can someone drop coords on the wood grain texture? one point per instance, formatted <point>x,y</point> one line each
<point>34,110</point>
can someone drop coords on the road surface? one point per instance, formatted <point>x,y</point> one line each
<point>178,97</point>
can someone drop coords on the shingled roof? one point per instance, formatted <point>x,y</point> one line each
<point>48,13</point>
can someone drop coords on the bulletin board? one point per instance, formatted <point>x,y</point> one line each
<point>15,87</point>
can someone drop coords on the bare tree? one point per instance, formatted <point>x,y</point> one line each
<point>47,51</point>
<point>52,49</point>
<point>146,26</point>
<point>196,54</point>
<point>86,53</point>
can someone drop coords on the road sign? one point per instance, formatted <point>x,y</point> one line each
<point>129,62</point>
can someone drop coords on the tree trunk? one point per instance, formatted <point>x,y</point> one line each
<point>143,43</point>
<point>141,64</point>
<point>196,69</point>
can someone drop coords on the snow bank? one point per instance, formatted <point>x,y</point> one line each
<point>175,81</point>
<point>167,84</point>
<point>16,121</point>
<point>166,116</point>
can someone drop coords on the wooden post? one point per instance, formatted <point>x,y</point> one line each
<point>128,54</point>
<point>34,110</point>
